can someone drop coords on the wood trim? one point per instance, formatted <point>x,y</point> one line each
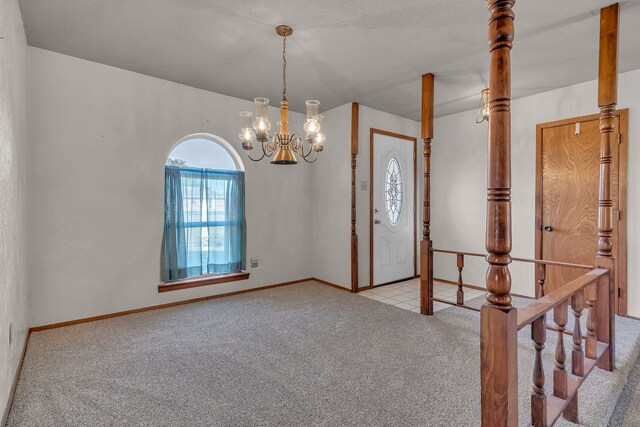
<point>372,133</point>
<point>426,117</point>
<point>156,307</point>
<point>14,383</point>
<point>202,281</point>
<point>623,120</point>
<point>541,306</point>
<point>355,123</point>
<point>333,285</point>
<point>622,302</point>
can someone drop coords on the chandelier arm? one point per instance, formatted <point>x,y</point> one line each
<point>255,160</point>
<point>309,154</point>
<point>265,148</point>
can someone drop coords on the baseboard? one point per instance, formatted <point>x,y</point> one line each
<point>14,384</point>
<point>156,307</point>
<point>333,285</point>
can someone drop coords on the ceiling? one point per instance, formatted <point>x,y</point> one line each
<point>370,51</point>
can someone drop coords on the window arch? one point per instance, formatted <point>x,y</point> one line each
<point>205,150</point>
<point>204,226</point>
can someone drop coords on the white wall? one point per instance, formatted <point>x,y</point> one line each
<point>370,118</point>
<point>458,176</point>
<point>13,191</point>
<point>101,136</point>
<point>332,201</point>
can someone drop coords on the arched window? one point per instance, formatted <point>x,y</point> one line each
<point>204,227</point>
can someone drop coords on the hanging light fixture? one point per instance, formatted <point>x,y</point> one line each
<point>483,109</point>
<point>282,143</point>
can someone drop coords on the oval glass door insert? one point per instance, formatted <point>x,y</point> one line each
<point>393,191</point>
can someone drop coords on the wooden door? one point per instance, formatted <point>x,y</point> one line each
<point>567,205</point>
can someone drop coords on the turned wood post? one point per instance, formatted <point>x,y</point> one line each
<point>538,397</point>
<point>577,355</point>
<point>355,113</point>
<point>498,318</point>
<point>607,100</point>
<point>460,293</point>
<point>426,245</point>
<point>541,276</point>
<point>560,385</point>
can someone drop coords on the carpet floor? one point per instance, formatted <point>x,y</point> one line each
<point>303,354</point>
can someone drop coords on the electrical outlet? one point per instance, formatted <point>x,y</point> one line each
<point>254,262</point>
<point>364,185</point>
<point>10,333</point>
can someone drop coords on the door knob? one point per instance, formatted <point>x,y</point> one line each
<point>548,228</point>
<point>377,221</point>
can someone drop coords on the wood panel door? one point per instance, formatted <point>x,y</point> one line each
<point>567,206</point>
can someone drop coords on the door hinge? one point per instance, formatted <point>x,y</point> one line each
<point>619,215</point>
<point>619,138</point>
<point>619,292</point>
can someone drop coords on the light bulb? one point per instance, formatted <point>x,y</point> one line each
<point>318,143</point>
<point>312,126</point>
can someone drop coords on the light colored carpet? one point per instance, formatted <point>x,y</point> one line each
<point>303,354</point>
<point>627,411</point>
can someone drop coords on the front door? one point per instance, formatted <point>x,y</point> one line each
<point>568,162</point>
<point>393,207</point>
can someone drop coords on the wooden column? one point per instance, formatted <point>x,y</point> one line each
<point>498,319</point>
<point>607,100</point>
<point>355,114</point>
<point>426,246</point>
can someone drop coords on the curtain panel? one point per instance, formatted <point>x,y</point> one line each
<point>204,225</point>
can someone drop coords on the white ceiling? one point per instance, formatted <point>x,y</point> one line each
<point>370,51</point>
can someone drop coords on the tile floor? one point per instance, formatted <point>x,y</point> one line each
<point>407,294</point>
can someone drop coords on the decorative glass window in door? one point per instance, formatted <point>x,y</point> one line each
<point>393,191</point>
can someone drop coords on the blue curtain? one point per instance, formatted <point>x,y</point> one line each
<point>204,227</point>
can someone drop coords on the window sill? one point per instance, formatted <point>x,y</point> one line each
<point>202,281</point>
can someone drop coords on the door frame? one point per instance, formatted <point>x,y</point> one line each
<point>372,133</point>
<point>621,299</point>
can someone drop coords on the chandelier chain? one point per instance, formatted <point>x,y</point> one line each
<point>284,67</point>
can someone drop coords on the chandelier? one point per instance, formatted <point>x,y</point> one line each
<point>282,143</point>
<point>483,109</point>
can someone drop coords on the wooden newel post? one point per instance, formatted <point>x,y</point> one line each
<point>426,246</point>
<point>607,100</point>
<point>498,319</point>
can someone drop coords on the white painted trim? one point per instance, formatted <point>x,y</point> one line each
<point>216,140</point>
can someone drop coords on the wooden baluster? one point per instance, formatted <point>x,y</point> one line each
<point>460,293</point>
<point>590,345</point>
<point>498,318</point>
<point>538,397</point>
<point>426,245</point>
<point>560,372</point>
<point>607,101</point>
<point>577,355</point>
<point>541,275</point>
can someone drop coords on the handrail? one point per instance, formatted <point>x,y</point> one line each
<point>539,307</point>
<point>554,263</point>
<point>529,260</point>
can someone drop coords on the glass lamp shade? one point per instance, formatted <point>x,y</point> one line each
<point>246,133</point>
<point>312,109</point>
<point>261,124</point>
<point>483,110</point>
<point>312,126</point>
